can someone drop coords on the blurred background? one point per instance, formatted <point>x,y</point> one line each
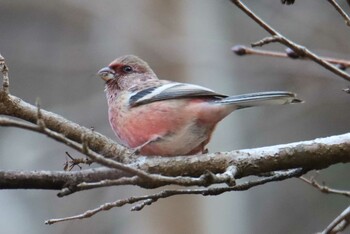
<point>55,48</point>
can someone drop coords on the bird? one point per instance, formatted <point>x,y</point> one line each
<point>156,117</point>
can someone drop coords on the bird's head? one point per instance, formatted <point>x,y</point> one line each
<point>126,72</point>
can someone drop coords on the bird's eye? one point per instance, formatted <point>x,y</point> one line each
<point>127,69</point>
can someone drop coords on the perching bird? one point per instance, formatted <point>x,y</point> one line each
<point>166,118</point>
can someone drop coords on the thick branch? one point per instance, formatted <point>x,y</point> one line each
<point>309,155</point>
<point>14,106</point>
<point>54,180</point>
<point>83,148</point>
<point>316,154</point>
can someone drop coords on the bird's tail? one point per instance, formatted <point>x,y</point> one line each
<point>261,98</point>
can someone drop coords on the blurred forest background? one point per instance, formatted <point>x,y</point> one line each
<point>55,48</point>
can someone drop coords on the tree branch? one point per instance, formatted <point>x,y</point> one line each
<point>150,199</point>
<point>243,50</point>
<point>323,188</point>
<point>276,36</point>
<point>15,107</point>
<point>309,155</point>
<point>315,154</point>
<point>55,180</point>
<point>341,11</point>
<point>339,223</point>
<point>83,148</point>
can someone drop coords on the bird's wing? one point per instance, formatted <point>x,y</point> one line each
<point>170,90</point>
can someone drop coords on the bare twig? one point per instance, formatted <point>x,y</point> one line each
<point>341,11</point>
<point>150,199</point>
<point>300,50</point>
<point>243,50</point>
<point>156,180</point>
<point>206,179</point>
<point>339,223</point>
<point>103,183</point>
<point>266,40</point>
<point>323,188</point>
<point>134,180</point>
<point>70,164</point>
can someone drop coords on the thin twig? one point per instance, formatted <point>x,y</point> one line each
<point>156,180</point>
<point>104,183</point>
<point>135,180</point>
<point>266,40</point>
<point>243,50</point>
<point>341,11</point>
<point>300,50</point>
<point>205,180</point>
<point>324,188</point>
<point>339,223</point>
<point>70,164</point>
<point>150,199</point>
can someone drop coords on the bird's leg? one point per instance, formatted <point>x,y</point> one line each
<point>137,150</point>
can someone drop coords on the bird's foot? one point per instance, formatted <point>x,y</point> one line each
<point>205,151</point>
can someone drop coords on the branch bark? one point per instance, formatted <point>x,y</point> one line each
<point>55,180</point>
<point>13,106</point>
<point>309,155</point>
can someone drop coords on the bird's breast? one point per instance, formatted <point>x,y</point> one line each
<point>170,127</point>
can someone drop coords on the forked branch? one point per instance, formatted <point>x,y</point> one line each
<point>278,37</point>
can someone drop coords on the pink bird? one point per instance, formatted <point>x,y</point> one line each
<point>166,118</point>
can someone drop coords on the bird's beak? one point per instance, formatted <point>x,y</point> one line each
<point>106,74</point>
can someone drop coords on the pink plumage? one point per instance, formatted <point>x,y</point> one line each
<point>165,118</point>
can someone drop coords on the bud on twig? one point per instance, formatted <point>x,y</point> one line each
<point>292,54</point>
<point>239,50</point>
